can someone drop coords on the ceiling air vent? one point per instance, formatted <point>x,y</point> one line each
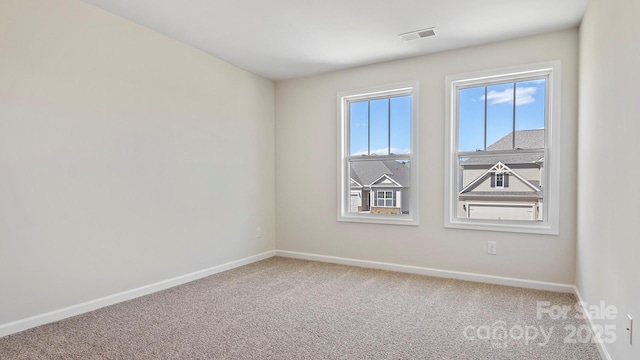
<point>418,34</point>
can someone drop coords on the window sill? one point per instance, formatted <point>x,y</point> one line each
<point>513,226</point>
<point>379,219</point>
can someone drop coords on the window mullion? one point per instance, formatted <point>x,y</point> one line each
<point>354,158</point>
<point>368,127</point>
<point>389,126</point>
<point>499,152</point>
<point>513,128</point>
<point>485,118</point>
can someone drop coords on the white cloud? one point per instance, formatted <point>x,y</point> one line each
<point>383,151</point>
<point>399,151</point>
<point>524,95</point>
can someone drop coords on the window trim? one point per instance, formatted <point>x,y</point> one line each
<point>343,183</point>
<point>550,224</point>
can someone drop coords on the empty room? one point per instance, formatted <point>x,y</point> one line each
<point>319,179</point>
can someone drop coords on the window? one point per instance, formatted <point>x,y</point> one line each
<point>498,182</point>
<point>377,165</point>
<point>502,169</point>
<point>385,198</point>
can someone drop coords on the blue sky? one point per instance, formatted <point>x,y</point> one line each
<point>530,107</point>
<point>389,121</point>
<point>378,126</point>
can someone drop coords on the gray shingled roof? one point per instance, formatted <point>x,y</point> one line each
<point>525,139</point>
<point>366,172</point>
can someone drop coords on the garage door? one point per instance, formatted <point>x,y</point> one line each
<point>502,212</point>
<point>354,203</point>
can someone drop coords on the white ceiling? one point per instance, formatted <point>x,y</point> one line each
<point>282,39</point>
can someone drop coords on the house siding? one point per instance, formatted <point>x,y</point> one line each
<point>515,184</point>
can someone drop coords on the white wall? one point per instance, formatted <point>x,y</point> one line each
<point>126,158</point>
<point>306,169</point>
<point>608,249</point>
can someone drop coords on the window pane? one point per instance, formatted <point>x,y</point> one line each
<point>379,126</point>
<point>508,187</point>
<point>471,119</point>
<point>499,117</point>
<point>359,128</point>
<point>376,183</point>
<point>530,114</point>
<point>400,125</point>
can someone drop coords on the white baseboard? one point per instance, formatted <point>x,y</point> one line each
<point>600,345</point>
<point>56,315</point>
<point>489,279</point>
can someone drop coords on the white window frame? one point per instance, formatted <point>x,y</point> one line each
<point>550,222</point>
<point>501,186</point>
<point>346,97</point>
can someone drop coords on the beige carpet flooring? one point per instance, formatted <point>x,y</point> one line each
<point>293,309</point>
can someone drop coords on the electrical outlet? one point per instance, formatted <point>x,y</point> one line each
<point>630,328</point>
<point>491,248</point>
<point>259,232</point>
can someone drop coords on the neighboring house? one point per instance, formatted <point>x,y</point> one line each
<point>507,187</point>
<point>380,187</point>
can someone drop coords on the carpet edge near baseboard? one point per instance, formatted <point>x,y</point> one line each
<point>602,349</point>
<point>81,308</point>
<point>474,277</point>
